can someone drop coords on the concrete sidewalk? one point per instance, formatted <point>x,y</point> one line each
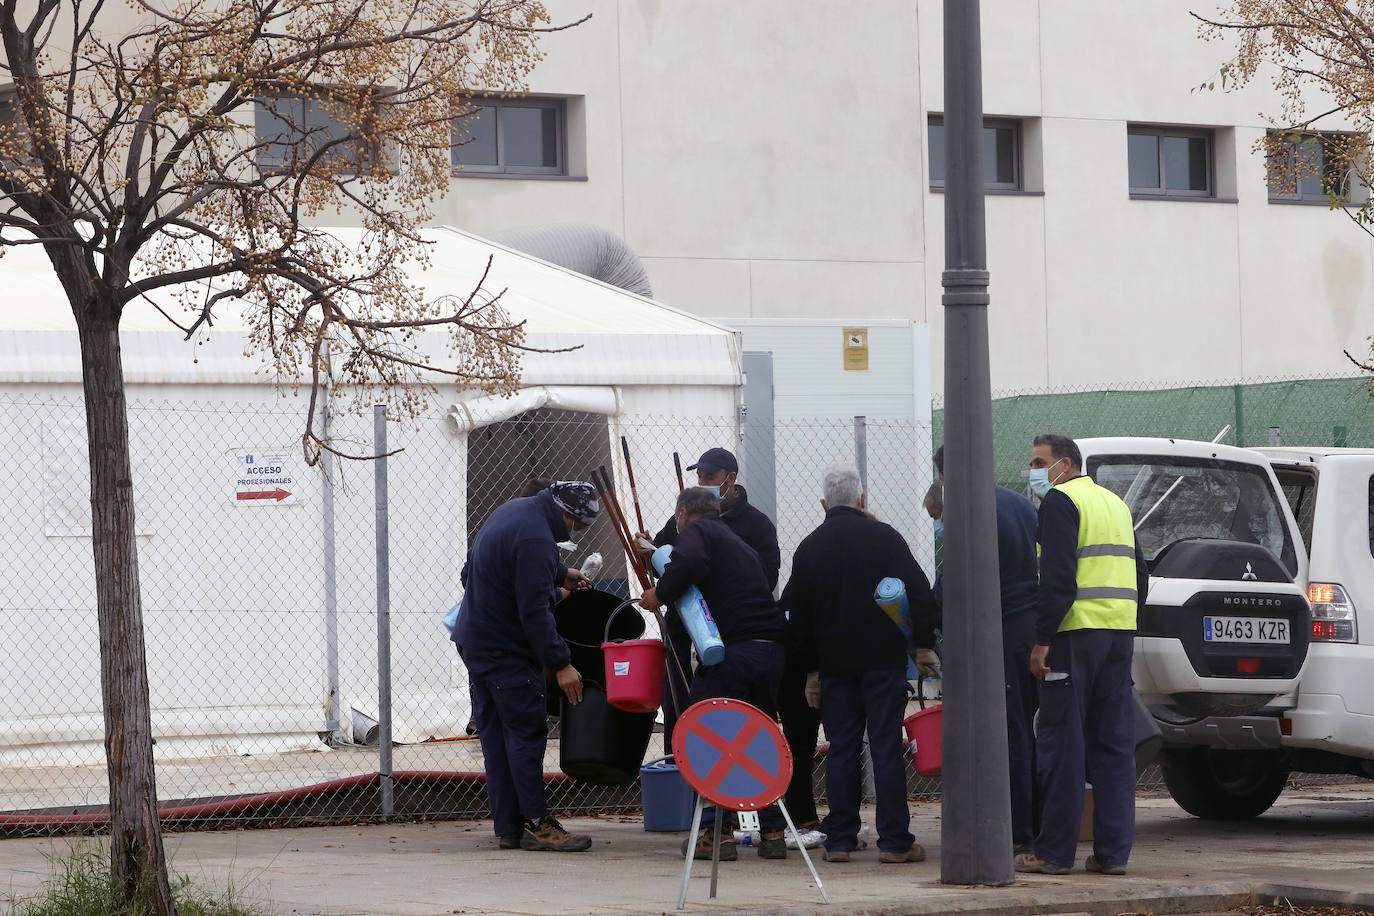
<point>1313,846</point>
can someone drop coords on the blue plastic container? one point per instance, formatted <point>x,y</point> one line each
<point>668,801</point>
<point>695,615</point>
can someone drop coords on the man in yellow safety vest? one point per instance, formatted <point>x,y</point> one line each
<point>1092,574</point>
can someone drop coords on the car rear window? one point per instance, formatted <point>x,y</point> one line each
<point>1172,498</point>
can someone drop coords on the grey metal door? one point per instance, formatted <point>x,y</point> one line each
<point>759,465</point>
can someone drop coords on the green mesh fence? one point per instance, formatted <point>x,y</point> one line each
<point>1314,411</point>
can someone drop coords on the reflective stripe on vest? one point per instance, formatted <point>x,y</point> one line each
<point>1106,598</point>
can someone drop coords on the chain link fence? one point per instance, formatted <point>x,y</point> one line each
<point>260,579</point>
<point>261,600</point>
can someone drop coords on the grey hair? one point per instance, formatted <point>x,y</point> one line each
<point>841,485</point>
<point>699,503</point>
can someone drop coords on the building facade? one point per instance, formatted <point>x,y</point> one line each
<point>776,159</point>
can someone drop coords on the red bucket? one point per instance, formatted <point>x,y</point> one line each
<point>634,671</point>
<point>923,730</point>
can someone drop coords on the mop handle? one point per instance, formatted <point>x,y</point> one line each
<point>621,527</point>
<point>630,472</point>
<point>624,544</point>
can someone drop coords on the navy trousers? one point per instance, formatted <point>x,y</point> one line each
<point>681,644</point>
<point>849,703</point>
<point>508,710</point>
<point>750,672</point>
<point>801,726</point>
<point>1018,638</point>
<point>1087,734</point>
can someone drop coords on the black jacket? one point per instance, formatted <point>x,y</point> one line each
<point>834,625</point>
<point>753,527</point>
<point>714,559</point>
<point>508,582</point>
<point>1058,537</point>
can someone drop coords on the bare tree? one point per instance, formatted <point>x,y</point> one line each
<point>176,153</point>
<point>1320,57</point>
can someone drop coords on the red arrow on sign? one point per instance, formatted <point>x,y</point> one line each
<point>278,494</point>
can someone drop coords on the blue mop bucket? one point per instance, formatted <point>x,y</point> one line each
<point>668,801</point>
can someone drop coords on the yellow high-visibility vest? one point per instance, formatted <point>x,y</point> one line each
<point>1106,597</point>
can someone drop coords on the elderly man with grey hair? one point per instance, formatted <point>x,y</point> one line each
<point>859,655</point>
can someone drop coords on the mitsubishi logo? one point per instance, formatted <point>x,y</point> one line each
<point>1249,575</point>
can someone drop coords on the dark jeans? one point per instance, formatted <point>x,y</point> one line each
<point>849,703</point>
<point>1087,733</point>
<point>508,710</point>
<point>682,648</point>
<point>750,672</point>
<point>801,725</point>
<point>1018,637</point>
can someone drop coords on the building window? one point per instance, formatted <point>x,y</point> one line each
<point>1310,167</point>
<point>524,136</point>
<point>1001,153</point>
<point>1170,162</point>
<point>291,129</point>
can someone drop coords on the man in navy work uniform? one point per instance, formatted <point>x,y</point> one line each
<point>1018,566</point>
<point>1092,573</point>
<point>861,656</point>
<point>717,471</point>
<point>732,581</point>
<point>506,636</point>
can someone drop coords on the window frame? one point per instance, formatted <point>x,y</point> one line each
<point>989,123</point>
<point>560,108</point>
<point>362,154</point>
<point>1162,131</point>
<point>1298,196</point>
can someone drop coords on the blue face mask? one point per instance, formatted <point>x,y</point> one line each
<point>1040,480</point>
<point>939,527</point>
<point>715,490</point>
<point>575,536</point>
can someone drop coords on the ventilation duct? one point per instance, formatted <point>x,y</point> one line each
<point>589,250</point>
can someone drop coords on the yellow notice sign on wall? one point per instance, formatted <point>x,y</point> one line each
<point>856,349</point>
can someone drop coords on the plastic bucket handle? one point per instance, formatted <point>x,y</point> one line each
<point>606,637</point>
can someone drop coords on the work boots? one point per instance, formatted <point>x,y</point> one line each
<point>549,834</point>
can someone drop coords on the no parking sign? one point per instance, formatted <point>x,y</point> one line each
<point>733,754</point>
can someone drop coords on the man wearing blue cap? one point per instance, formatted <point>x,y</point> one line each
<point>717,471</point>
<point>506,635</point>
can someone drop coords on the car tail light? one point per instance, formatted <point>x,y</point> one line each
<point>1247,666</point>
<point>1333,614</point>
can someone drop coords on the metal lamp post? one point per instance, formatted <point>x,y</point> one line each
<point>975,833</point>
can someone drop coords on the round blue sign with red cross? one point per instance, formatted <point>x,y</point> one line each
<point>732,754</point>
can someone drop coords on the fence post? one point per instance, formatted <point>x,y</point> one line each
<point>331,593</point>
<point>383,615</point>
<point>1275,436</point>
<point>1238,394</point>
<point>861,449</point>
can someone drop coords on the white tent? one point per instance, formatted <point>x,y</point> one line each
<point>234,593</point>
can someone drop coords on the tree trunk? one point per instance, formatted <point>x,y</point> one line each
<point>137,861</point>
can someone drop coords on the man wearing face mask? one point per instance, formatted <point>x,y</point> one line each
<point>717,471</point>
<point>709,555</point>
<point>506,636</point>
<point>1092,573</point>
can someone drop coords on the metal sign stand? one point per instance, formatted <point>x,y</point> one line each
<point>702,720</point>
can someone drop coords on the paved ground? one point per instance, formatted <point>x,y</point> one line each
<point>1315,845</point>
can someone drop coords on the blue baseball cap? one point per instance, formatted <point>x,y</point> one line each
<point>715,459</point>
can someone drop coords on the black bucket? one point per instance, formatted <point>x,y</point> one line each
<point>600,744</point>
<point>581,620</point>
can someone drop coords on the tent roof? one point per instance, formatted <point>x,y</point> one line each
<point>622,338</point>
